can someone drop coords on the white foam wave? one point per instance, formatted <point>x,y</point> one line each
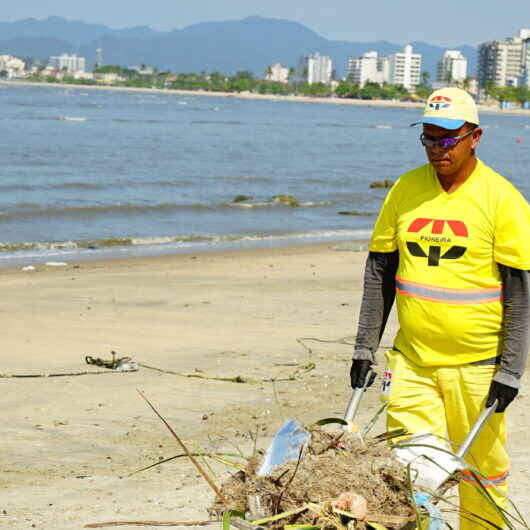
<point>71,118</point>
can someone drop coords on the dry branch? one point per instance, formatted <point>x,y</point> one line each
<point>151,523</point>
<point>205,475</point>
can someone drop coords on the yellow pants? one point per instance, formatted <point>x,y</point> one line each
<point>447,401</point>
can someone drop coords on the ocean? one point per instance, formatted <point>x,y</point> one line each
<point>102,173</point>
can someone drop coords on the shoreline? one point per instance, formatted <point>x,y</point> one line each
<point>123,255</point>
<point>381,103</point>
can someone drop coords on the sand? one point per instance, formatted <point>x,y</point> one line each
<point>70,443</point>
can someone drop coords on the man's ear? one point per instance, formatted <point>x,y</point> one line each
<point>475,137</point>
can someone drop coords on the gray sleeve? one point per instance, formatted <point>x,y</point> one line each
<point>515,345</point>
<point>378,297</point>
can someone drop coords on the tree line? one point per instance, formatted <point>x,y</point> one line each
<point>246,81</point>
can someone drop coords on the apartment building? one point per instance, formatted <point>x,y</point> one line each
<point>369,68</point>
<point>503,62</point>
<point>69,63</point>
<point>315,68</point>
<point>524,79</point>
<point>405,68</point>
<point>451,68</point>
<point>277,73</point>
<point>13,66</point>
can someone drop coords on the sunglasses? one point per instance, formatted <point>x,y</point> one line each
<point>443,143</point>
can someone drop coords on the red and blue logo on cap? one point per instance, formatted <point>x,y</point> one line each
<point>440,102</point>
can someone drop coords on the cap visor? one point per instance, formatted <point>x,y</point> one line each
<point>444,123</point>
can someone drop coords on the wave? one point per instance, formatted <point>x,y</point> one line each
<point>17,187</point>
<point>138,120</point>
<point>128,209</point>
<point>274,203</point>
<point>243,177</point>
<point>94,185</point>
<point>217,122</point>
<point>72,118</point>
<point>337,125</point>
<point>94,211</point>
<point>179,240</point>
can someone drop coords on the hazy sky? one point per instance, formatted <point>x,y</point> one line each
<point>445,22</point>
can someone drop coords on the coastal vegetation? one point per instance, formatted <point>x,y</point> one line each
<point>246,82</point>
<point>348,89</point>
<point>240,82</point>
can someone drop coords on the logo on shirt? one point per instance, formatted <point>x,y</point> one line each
<point>435,237</point>
<point>440,102</point>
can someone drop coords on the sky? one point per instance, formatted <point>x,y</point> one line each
<point>444,23</point>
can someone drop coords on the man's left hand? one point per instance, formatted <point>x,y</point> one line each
<point>501,393</point>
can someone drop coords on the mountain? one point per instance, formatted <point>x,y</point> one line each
<point>73,31</point>
<point>252,43</point>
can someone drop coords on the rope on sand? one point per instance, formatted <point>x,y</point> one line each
<point>342,340</point>
<point>126,364</point>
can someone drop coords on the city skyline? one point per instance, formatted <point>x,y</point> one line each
<point>455,24</point>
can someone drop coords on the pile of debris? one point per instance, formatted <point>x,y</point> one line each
<point>336,476</point>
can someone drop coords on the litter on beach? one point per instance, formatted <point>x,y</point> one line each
<point>335,478</point>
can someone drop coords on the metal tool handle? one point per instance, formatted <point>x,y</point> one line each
<point>355,399</point>
<point>475,430</point>
<point>353,405</point>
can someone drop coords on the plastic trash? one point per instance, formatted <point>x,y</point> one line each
<point>126,364</point>
<point>56,264</point>
<point>286,445</point>
<point>430,457</point>
<point>28,268</point>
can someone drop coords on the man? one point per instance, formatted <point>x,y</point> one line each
<point>452,245</point>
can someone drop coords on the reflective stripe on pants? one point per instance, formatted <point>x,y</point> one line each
<point>447,401</point>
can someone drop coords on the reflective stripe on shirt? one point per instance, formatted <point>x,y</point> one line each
<point>448,296</point>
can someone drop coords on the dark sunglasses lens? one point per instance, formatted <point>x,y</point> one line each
<point>445,143</point>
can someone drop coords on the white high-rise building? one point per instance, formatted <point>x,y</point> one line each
<point>315,68</point>
<point>452,67</point>
<point>524,78</point>
<point>502,62</point>
<point>277,73</point>
<point>405,68</point>
<point>369,68</point>
<point>69,63</point>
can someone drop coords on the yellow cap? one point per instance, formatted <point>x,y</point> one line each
<point>449,108</point>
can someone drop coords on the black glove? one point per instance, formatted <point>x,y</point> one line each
<point>358,372</point>
<point>501,393</point>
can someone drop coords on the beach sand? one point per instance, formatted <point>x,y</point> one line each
<point>384,103</point>
<point>69,443</point>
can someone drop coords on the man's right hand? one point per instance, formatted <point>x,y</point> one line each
<point>358,373</point>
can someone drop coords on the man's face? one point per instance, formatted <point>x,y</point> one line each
<point>448,161</point>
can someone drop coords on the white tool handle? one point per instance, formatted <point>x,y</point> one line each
<point>477,427</point>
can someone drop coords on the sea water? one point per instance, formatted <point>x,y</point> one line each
<point>95,173</point>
